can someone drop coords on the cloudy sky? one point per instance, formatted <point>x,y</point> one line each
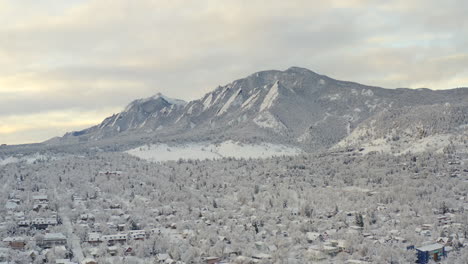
<point>65,65</point>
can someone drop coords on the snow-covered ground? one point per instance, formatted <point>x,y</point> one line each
<point>29,159</point>
<point>434,143</point>
<point>201,151</point>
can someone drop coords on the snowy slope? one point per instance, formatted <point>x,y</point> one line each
<point>28,159</point>
<point>294,107</point>
<point>201,151</point>
<point>411,129</point>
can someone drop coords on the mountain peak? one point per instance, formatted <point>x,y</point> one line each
<point>171,101</point>
<point>296,69</point>
<point>292,105</point>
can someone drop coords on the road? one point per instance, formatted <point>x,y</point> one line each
<point>74,239</point>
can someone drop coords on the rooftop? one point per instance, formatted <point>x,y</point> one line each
<point>430,247</point>
<point>54,236</point>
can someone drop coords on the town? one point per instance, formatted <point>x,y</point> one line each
<point>342,208</point>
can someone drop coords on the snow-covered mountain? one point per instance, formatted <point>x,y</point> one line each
<point>295,106</point>
<point>136,116</point>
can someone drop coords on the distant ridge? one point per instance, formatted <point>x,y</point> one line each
<point>296,107</point>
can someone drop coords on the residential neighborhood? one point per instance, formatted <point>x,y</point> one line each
<point>281,210</point>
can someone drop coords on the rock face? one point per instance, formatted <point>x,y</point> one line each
<point>295,106</point>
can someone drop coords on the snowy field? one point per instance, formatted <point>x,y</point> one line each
<point>201,151</point>
<point>29,159</point>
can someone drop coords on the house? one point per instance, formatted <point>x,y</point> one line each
<point>52,239</point>
<point>313,236</point>
<point>294,211</point>
<point>40,198</point>
<point>444,220</point>
<point>330,250</point>
<point>115,206</point>
<point>113,239</point>
<point>94,238</point>
<point>426,227</point>
<point>11,205</point>
<point>24,223</point>
<point>89,261</point>
<point>113,250</point>
<point>212,260</point>
<point>129,251</point>
<point>43,223</point>
<point>40,205</point>
<point>87,217</point>
<point>15,242</point>
<point>262,256</point>
<point>161,258</point>
<point>430,252</point>
<point>137,234</point>
<point>315,255</point>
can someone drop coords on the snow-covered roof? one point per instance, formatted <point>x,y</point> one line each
<point>54,236</point>
<point>14,239</point>
<point>94,236</point>
<point>10,205</point>
<point>64,261</point>
<point>114,237</point>
<point>430,247</point>
<point>40,197</point>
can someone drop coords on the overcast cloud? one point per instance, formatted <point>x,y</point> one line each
<point>65,65</point>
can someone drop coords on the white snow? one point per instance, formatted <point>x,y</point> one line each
<point>270,97</point>
<point>172,101</point>
<point>334,97</point>
<point>200,151</point>
<point>220,95</point>
<point>233,100</point>
<point>190,110</point>
<point>208,101</point>
<point>115,120</point>
<point>9,160</point>
<point>29,159</point>
<point>154,97</point>
<point>367,92</point>
<point>267,120</point>
<point>433,143</point>
<point>250,101</point>
<point>304,137</point>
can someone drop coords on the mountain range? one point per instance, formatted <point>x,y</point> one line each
<point>293,107</point>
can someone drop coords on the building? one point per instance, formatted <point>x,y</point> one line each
<point>40,198</point>
<point>24,223</point>
<point>15,242</point>
<point>430,252</point>
<point>52,239</point>
<point>212,260</point>
<point>40,205</point>
<point>113,239</point>
<point>137,234</point>
<point>87,217</point>
<point>444,220</point>
<point>43,223</point>
<point>94,238</point>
